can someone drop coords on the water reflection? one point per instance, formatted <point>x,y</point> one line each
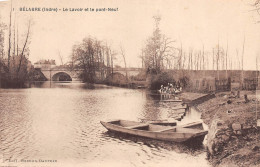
<point>62,122</point>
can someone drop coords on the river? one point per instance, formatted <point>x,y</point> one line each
<point>61,122</point>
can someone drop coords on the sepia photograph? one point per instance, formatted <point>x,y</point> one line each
<point>133,83</point>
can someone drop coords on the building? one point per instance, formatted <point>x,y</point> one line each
<point>204,84</point>
<point>45,64</point>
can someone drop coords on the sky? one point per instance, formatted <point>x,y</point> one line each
<point>193,23</point>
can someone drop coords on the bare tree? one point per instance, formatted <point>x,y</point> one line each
<point>13,64</point>
<point>180,57</point>
<point>203,57</point>
<point>238,59</point>
<point>184,60</point>
<point>207,58</point>
<point>256,6</point>
<point>22,56</point>
<point>226,60</point>
<point>242,59</point>
<point>191,59</point>
<point>61,58</point>
<point>2,39</point>
<point>112,58</point>
<point>122,52</point>
<point>213,58</point>
<point>158,48</point>
<point>257,72</point>
<point>10,35</point>
<point>142,57</point>
<point>217,59</point>
<point>17,36</point>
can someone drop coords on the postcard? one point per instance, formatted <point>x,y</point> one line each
<point>148,83</point>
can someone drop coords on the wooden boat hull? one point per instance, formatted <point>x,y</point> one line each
<point>175,134</point>
<point>172,123</point>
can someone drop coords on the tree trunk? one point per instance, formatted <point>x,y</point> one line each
<point>24,46</point>
<point>10,34</point>
<point>242,72</point>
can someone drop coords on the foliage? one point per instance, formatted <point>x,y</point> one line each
<point>117,79</point>
<point>157,50</point>
<point>91,55</point>
<point>184,81</point>
<point>257,6</point>
<point>36,75</point>
<point>139,77</point>
<point>16,66</point>
<point>161,79</point>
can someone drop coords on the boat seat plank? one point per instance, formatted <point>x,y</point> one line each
<point>191,124</point>
<point>137,126</point>
<point>166,129</point>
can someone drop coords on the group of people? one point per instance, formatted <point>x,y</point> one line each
<point>170,89</point>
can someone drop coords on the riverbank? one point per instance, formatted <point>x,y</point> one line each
<point>233,138</point>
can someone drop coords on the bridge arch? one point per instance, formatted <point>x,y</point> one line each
<point>61,76</point>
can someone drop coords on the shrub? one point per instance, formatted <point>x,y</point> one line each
<point>184,81</point>
<point>161,79</point>
<point>116,79</point>
<point>139,77</point>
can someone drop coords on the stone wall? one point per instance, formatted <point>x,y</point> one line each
<point>207,80</point>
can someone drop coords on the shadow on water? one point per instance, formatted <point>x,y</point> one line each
<point>192,147</point>
<point>65,84</point>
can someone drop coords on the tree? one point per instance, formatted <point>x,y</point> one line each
<point>256,5</point>
<point>226,60</point>
<point>242,61</point>
<point>238,60</point>
<point>142,57</point>
<point>2,39</point>
<point>218,55</point>
<point>17,61</point>
<point>10,35</point>
<point>157,49</point>
<point>122,52</point>
<point>61,58</point>
<point>90,56</point>
<point>25,48</point>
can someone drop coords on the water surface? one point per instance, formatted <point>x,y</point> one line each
<point>61,122</point>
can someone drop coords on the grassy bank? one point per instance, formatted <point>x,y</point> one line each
<point>233,138</point>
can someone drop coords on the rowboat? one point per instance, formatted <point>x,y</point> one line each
<point>167,133</point>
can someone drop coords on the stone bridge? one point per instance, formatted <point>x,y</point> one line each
<point>53,74</point>
<point>130,71</point>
